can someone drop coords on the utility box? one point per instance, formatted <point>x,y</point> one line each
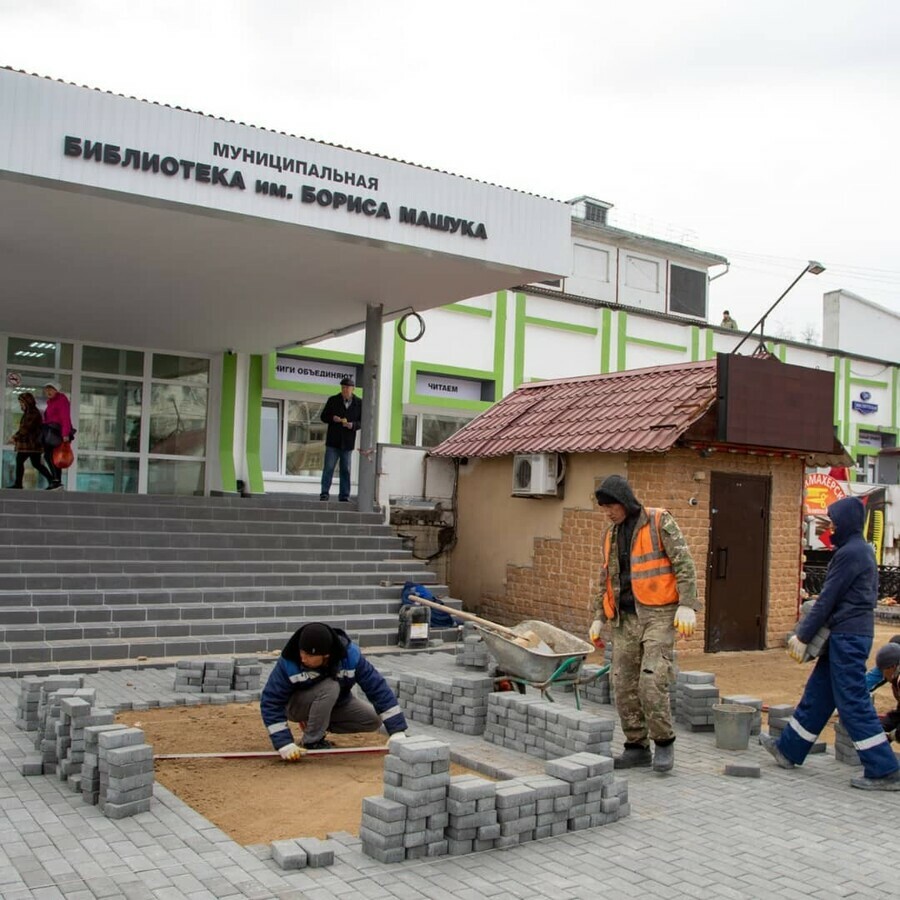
<point>412,633</point>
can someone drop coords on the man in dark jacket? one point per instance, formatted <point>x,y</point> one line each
<point>846,605</point>
<point>342,414</point>
<point>312,683</point>
<point>648,591</point>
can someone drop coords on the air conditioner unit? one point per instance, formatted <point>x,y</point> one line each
<point>535,475</point>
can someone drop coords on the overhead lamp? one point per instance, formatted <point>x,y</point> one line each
<point>814,268</point>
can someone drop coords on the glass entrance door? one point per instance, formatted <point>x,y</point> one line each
<point>141,416</point>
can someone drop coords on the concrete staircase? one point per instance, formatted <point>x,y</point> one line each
<point>89,581</point>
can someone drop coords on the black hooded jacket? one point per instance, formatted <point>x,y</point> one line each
<point>847,601</point>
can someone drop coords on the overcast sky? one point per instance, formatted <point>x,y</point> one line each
<point>767,132</point>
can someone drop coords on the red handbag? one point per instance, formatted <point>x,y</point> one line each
<point>63,457</point>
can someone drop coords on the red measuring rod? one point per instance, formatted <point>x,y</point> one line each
<point>260,754</point>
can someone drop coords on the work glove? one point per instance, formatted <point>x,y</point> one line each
<point>290,752</point>
<point>685,621</point>
<point>796,648</point>
<point>594,634</point>
<point>397,736</point>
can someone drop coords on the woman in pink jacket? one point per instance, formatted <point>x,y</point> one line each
<point>57,428</point>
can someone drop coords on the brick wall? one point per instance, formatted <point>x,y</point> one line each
<point>559,585</point>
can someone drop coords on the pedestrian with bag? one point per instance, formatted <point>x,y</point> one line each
<point>846,606</point>
<point>27,440</point>
<point>648,591</point>
<point>56,430</point>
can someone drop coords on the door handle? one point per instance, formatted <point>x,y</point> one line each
<point>722,562</point>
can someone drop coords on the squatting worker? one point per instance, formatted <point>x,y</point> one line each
<point>888,662</point>
<point>311,684</point>
<point>650,591</point>
<point>342,414</point>
<point>846,605</point>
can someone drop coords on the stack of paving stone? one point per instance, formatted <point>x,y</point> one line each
<point>189,676</point>
<point>597,690</point>
<point>409,821</point>
<point>76,714</point>
<point>216,676</point>
<point>50,738</point>
<point>844,751</point>
<point>472,651</point>
<point>472,813</point>
<point>599,798</point>
<point>446,697</point>
<point>126,772</point>
<point>32,690</point>
<point>90,766</point>
<point>695,695</point>
<point>548,731</point>
<point>246,679</point>
<point>755,702</point>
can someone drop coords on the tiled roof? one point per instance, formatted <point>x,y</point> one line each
<point>643,410</point>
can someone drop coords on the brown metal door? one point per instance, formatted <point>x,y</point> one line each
<point>736,567</point>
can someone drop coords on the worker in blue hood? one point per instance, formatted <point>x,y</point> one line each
<point>846,605</point>
<point>312,683</point>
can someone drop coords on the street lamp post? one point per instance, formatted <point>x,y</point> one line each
<point>814,268</point>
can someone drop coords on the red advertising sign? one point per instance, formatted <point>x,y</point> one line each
<point>821,492</point>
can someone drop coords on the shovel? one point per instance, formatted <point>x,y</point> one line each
<point>528,639</point>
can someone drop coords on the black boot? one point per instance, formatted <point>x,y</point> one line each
<point>633,756</point>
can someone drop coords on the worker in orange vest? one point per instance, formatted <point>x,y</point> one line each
<point>648,592</point>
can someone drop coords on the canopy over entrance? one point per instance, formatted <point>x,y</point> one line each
<point>127,222</point>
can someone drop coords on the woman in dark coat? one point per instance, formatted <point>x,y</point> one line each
<point>27,440</point>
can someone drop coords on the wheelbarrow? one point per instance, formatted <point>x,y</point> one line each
<point>531,654</point>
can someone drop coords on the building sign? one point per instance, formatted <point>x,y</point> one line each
<point>314,371</point>
<point>428,385</point>
<point>821,492</point>
<point>13,379</point>
<point>865,408</point>
<point>869,439</point>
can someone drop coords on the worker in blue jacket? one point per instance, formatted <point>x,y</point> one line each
<point>311,684</point>
<point>846,605</point>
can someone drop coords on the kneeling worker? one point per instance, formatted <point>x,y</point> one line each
<point>311,683</point>
<point>887,660</point>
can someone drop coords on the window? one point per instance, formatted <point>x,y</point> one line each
<point>642,274</point>
<point>427,430</point>
<point>687,294</point>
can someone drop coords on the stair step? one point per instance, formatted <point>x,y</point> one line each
<point>91,580</point>
<point>149,580</point>
<point>174,554</point>
<point>376,568</point>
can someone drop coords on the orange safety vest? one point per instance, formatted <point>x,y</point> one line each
<point>652,574</point>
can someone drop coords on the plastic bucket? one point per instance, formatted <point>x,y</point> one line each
<point>733,722</point>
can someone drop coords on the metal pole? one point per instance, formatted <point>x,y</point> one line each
<point>762,320</point>
<point>369,426</point>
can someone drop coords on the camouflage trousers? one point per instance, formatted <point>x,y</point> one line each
<point>642,670</point>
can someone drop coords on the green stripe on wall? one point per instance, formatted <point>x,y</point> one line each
<point>605,339</point>
<point>398,369</point>
<point>254,424</point>
<point>499,344</point>
<point>560,326</point>
<point>622,342</point>
<point>519,342</point>
<point>226,423</point>
<point>468,310</point>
